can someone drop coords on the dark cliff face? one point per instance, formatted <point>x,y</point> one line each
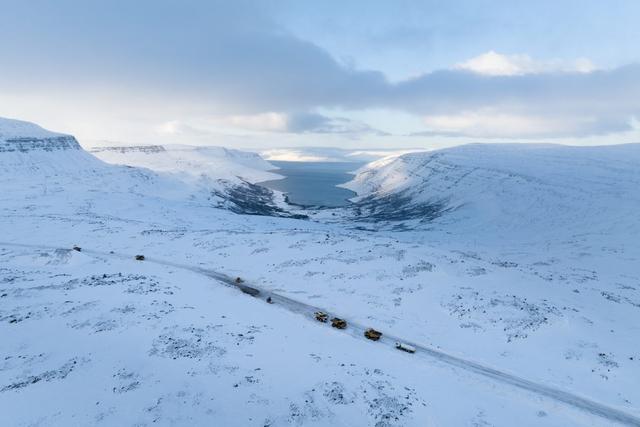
<point>27,144</point>
<point>252,199</point>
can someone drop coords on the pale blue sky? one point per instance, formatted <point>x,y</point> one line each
<point>349,74</point>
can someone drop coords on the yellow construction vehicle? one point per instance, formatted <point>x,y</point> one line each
<point>338,323</point>
<point>372,334</point>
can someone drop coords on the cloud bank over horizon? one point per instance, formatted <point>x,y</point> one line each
<point>199,69</point>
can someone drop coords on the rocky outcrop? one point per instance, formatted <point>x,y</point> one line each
<point>27,144</point>
<point>149,149</point>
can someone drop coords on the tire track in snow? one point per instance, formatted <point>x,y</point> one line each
<point>356,330</point>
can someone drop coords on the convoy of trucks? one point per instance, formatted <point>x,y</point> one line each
<point>320,316</point>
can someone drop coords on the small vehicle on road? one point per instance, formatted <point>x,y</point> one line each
<point>139,257</point>
<point>338,323</point>
<point>405,347</point>
<point>77,248</point>
<point>321,316</point>
<point>372,334</point>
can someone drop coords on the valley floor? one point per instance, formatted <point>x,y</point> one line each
<point>89,339</point>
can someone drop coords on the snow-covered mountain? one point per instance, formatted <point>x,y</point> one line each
<point>18,135</point>
<point>192,163</point>
<point>35,161</point>
<point>510,189</point>
<point>228,175</point>
<point>43,161</point>
<point>542,330</point>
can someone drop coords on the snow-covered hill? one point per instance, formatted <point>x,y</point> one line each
<point>34,161</point>
<point>15,135</point>
<point>229,176</point>
<point>192,163</point>
<point>511,189</point>
<point>43,161</point>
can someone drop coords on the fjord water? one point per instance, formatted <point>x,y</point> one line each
<point>314,183</point>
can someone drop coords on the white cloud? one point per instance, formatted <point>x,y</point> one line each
<point>495,64</point>
<point>496,124</point>
<point>263,122</point>
<point>176,127</point>
<point>271,122</point>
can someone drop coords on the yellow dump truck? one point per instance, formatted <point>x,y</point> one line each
<point>372,334</point>
<point>338,323</point>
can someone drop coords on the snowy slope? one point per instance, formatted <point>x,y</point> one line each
<point>11,129</point>
<point>42,161</point>
<point>510,188</point>
<point>34,161</point>
<point>229,176</point>
<point>20,136</point>
<point>192,163</point>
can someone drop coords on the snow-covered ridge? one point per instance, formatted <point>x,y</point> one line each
<point>511,186</point>
<point>43,162</point>
<point>191,163</point>
<point>35,161</point>
<point>21,136</point>
<point>229,175</point>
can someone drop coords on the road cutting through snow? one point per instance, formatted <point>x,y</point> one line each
<point>357,330</point>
